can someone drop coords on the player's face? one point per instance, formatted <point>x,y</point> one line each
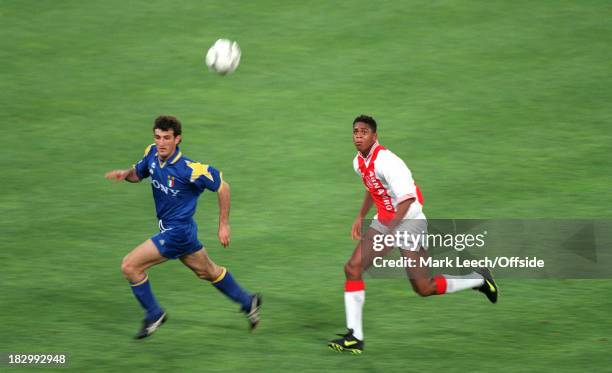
<point>363,137</point>
<point>166,142</point>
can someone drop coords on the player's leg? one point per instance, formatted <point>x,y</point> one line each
<point>419,276</point>
<point>363,256</point>
<point>143,257</point>
<point>134,268</point>
<point>425,285</point>
<point>206,269</point>
<point>202,266</point>
<point>354,293</point>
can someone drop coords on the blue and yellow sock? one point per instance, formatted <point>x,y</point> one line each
<point>228,286</point>
<point>142,292</point>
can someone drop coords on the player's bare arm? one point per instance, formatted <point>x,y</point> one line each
<point>365,207</point>
<point>223,195</point>
<point>119,175</point>
<point>400,211</point>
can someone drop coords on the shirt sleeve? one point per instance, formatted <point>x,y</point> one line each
<point>142,167</point>
<point>358,171</point>
<point>204,177</point>
<point>398,177</point>
<point>356,167</point>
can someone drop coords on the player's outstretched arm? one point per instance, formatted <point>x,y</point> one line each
<point>127,175</point>
<point>400,211</point>
<point>223,195</point>
<point>365,207</point>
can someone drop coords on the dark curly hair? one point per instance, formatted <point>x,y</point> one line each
<point>167,122</point>
<point>367,120</point>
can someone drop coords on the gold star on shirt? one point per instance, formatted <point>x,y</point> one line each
<point>198,169</point>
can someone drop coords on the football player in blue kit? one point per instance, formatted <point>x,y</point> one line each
<point>177,182</point>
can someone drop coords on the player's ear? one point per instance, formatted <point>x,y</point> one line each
<point>178,139</point>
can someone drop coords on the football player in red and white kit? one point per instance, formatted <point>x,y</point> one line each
<point>399,203</point>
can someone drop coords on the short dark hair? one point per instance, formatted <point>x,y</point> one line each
<point>167,122</point>
<point>367,120</point>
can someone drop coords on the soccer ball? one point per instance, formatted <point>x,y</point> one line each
<point>223,57</point>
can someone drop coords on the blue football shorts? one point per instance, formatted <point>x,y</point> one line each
<point>177,240</point>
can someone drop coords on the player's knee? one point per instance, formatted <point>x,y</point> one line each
<point>128,268</point>
<point>352,270</point>
<point>423,289</point>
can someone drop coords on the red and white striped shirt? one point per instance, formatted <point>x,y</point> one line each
<point>389,182</point>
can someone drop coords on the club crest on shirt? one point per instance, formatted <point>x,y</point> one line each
<point>166,190</point>
<point>171,181</point>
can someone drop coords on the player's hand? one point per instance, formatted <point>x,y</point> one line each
<point>117,175</point>
<point>356,229</point>
<point>224,234</point>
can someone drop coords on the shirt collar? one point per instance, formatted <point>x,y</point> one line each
<point>376,145</point>
<point>174,157</point>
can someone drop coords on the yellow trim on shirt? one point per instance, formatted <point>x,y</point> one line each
<point>179,155</point>
<point>222,183</point>
<point>148,149</point>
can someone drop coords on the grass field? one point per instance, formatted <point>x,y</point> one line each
<point>501,110</point>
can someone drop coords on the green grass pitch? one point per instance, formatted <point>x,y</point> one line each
<point>501,110</point>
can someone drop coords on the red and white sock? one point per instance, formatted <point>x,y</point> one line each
<point>450,284</point>
<point>354,298</point>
